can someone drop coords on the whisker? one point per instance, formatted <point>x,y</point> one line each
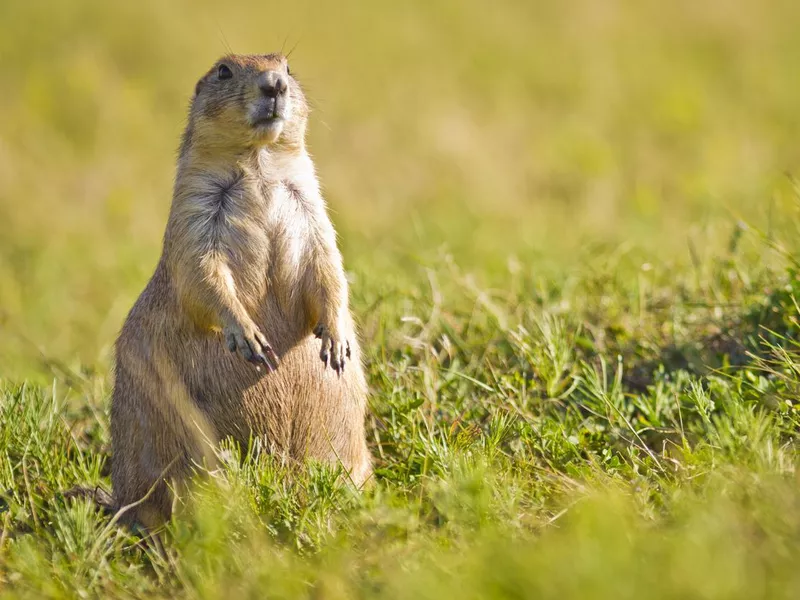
<point>296,44</point>
<point>225,42</point>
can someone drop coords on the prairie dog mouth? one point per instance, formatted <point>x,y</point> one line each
<point>268,128</point>
<point>268,109</point>
<point>267,120</point>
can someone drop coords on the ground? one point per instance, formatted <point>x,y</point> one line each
<point>571,230</point>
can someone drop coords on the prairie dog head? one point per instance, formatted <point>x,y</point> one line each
<point>248,102</point>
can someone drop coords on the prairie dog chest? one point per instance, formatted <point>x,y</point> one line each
<point>289,229</point>
<point>289,187</point>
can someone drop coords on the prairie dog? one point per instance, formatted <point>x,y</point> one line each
<point>244,329</point>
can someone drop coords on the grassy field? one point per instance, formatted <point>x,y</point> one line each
<point>573,235</point>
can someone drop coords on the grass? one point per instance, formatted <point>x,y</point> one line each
<point>571,232</point>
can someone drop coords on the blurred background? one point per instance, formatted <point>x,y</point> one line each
<point>517,130</point>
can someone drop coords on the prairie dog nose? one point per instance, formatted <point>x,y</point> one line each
<point>272,83</point>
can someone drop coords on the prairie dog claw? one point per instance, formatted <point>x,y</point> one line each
<point>334,351</point>
<point>252,345</point>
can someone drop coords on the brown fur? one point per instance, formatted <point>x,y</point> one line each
<point>249,259</point>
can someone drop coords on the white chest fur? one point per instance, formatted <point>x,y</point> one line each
<point>292,207</point>
<point>289,232</point>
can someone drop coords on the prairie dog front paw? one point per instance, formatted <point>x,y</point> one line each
<point>251,344</point>
<point>335,350</point>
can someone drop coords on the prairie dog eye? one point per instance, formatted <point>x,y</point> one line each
<point>224,72</point>
<point>288,70</point>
